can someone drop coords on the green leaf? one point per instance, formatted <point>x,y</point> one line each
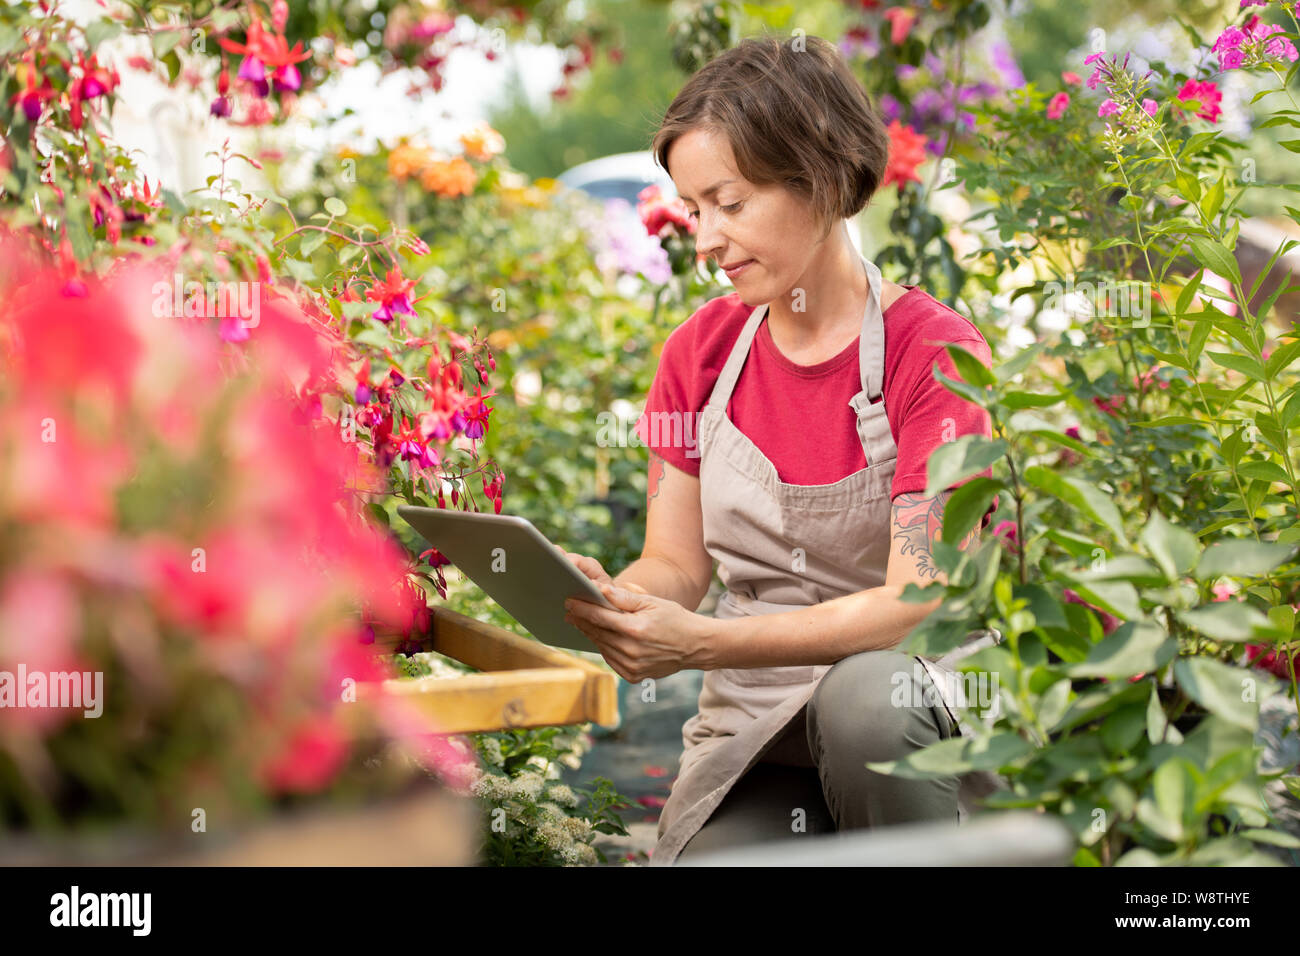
<point>336,207</point>
<point>1213,199</point>
<point>1158,726</point>
<point>1189,290</point>
<point>971,369</point>
<point>1264,471</point>
<point>311,243</point>
<point>1175,549</point>
<point>1242,558</point>
<point>1018,400</point>
<point>98,31</point>
<point>163,42</point>
<point>1174,788</point>
<point>959,459</point>
<point>967,506</point>
<point>1272,837</point>
<point>1216,258</point>
<point>1244,364</point>
<point>1135,647</point>
<point>1220,689</point>
<point>1086,497</point>
<point>1225,620</point>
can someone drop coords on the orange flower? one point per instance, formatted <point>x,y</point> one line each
<point>451,177</point>
<point>906,153</point>
<point>482,142</point>
<point>406,161</point>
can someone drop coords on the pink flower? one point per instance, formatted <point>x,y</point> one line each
<point>1109,405</point>
<point>1108,108</point>
<point>311,758</point>
<point>1007,530</point>
<point>1056,107</point>
<point>1278,46</point>
<point>900,23</point>
<point>1206,94</point>
<point>1072,79</point>
<point>1150,106</point>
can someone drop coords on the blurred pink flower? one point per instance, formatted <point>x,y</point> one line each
<point>1206,94</point>
<point>1056,106</point>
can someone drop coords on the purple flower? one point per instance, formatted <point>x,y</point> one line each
<point>889,108</point>
<point>1005,63</point>
<point>288,78</point>
<point>251,69</point>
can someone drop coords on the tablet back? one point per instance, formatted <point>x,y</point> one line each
<point>515,564</point>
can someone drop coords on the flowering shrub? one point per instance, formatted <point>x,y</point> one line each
<point>1144,571</point>
<point>175,541</point>
<point>312,319</point>
<point>533,819</point>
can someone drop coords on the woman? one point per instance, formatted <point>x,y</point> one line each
<point>817,411</point>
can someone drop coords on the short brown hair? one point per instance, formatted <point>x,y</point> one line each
<point>793,116</point>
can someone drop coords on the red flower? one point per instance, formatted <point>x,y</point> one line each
<point>906,153</point>
<point>662,216</point>
<point>1270,659</point>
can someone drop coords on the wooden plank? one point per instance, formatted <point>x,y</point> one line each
<point>520,688</point>
<point>487,647</point>
<point>532,697</point>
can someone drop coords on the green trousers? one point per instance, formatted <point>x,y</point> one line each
<point>876,705</point>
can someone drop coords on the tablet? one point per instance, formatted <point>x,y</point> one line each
<point>513,562</point>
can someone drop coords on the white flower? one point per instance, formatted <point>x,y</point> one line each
<point>528,785</point>
<point>492,751</point>
<point>563,795</point>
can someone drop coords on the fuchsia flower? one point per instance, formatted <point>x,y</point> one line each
<point>1150,106</point>
<point>1206,94</point>
<point>476,415</point>
<point>1071,79</point>
<point>393,295</point>
<point>1108,108</point>
<point>268,50</point>
<point>33,98</point>
<point>1056,106</point>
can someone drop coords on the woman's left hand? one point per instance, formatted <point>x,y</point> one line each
<point>647,637</point>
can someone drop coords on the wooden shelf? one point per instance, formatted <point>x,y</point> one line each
<point>526,684</point>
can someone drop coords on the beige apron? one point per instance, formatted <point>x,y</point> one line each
<point>781,547</point>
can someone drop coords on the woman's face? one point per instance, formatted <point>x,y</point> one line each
<point>769,226</point>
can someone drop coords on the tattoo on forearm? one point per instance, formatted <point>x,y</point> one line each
<point>658,472</point>
<point>920,520</point>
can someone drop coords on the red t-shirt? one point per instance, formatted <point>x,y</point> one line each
<point>799,415</point>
